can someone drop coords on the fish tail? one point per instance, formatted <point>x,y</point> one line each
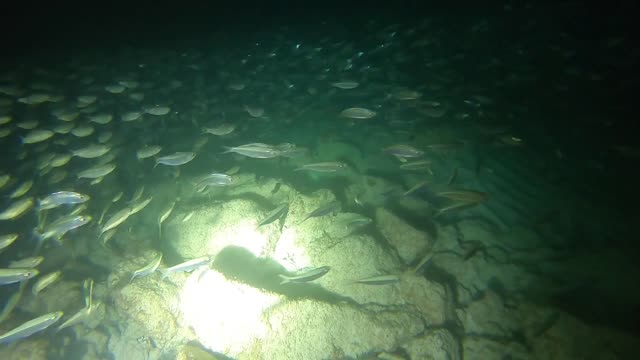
<point>164,273</point>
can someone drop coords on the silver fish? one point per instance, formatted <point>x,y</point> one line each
<point>45,281</point>
<point>76,318</point>
<point>61,198</point>
<point>358,113</point>
<point>277,213</point>
<point>30,327</point>
<point>404,151</point>
<point>87,290</point>
<point>17,208</point>
<point>10,276</point>
<point>148,151</point>
<point>324,167</point>
<point>26,263</point>
<point>326,209</point>
<point>7,240</point>
<point>214,179</point>
<point>60,227</point>
<point>12,302</point>
<point>91,151</point>
<point>305,275</point>
<point>147,269</point>
<point>36,136</point>
<point>115,220</point>
<point>163,216</point>
<point>220,130</point>
<point>379,280</point>
<point>186,266</point>
<point>139,205</point>
<point>254,150</point>
<point>179,158</point>
<point>96,172</point>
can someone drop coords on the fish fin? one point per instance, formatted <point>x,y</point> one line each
<point>285,280</point>
<point>164,273</point>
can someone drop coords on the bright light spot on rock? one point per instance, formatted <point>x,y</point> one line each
<point>225,316</point>
<point>243,234</point>
<point>289,253</point>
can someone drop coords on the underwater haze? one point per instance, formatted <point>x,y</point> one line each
<point>340,180</point>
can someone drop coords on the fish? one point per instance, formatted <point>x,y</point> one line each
<point>21,189</point>
<point>358,113</point>
<point>27,125</point>
<point>417,166</point>
<point>254,150</point>
<point>104,137</point>
<point>86,100</point>
<point>102,118</point>
<point>305,275</point>
<point>60,198</point>
<point>116,219</point>
<point>403,151</point>
<point>60,160</point>
<point>12,302</point>
<point>278,213</point>
<point>30,327</point>
<point>345,85</point>
<point>379,280</point>
<point>147,269</point>
<point>96,172</point>
<point>91,151</point>
<point>139,205</point>
<point>76,318</point>
<point>220,130</point>
<point>214,179</point>
<point>186,266</point>
<point>10,276</point>
<point>406,94</point>
<point>36,136</point>
<point>26,263</point>
<point>82,131</point>
<point>17,208</point>
<point>7,240</point>
<point>45,281</point>
<point>157,110</point>
<point>176,159</point>
<point>415,188</point>
<point>131,116</point>
<point>254,111</point>
<point>4,180</point>
<point>87,291</point>
<point>324,167</point>
<point>325,209</point>
<point>63,225</point>
<point>148,151</point>
<point>163,216</point>
<point>108,235</point>
<point>470,196</point>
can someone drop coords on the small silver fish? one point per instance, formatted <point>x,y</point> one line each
<point>30,327</point>
<point>61,198</point>
<point>26,263</point>
<point>186,266</point>
<point>324,167</point>
<point>147,269</point>
<point>305,275</point>
<point>379,280</point>
<point>10,276</point>
<point>176,159</point>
